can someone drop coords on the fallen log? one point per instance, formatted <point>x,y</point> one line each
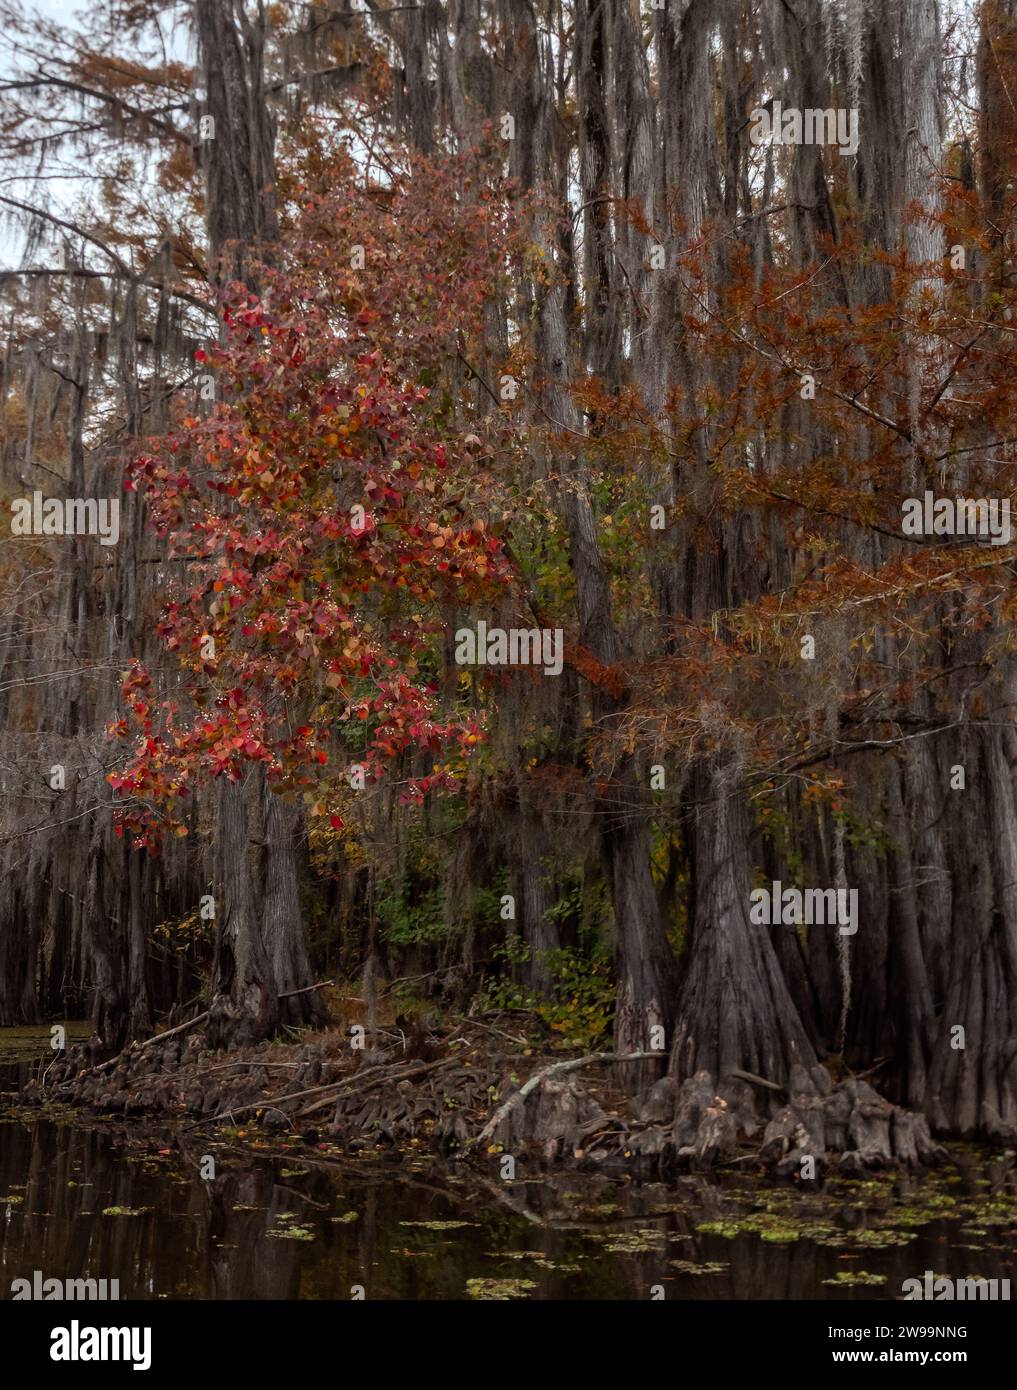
<point>538,1078</point>
<point>159,1037</point>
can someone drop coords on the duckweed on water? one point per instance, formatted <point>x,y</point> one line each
<point>690,1267</point>
<point>879,1240</point>
<point>499,1288</point>
<point>628,1242</point>
<point>285,1230</point>
<point>25,1044</point>
<point>428,1225</point>
<point>775,1228</point>
<point>727,1229</point>
<point>539,1259</point>
<point>937,1206</point>
<point>847,1279</point>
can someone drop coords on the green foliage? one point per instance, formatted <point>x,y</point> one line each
<point>414,917</point>
<point>407,923</point>
<point>869,833</point>
<point>584,988</point>
<point>581,1004</point>
<point>779,825</point>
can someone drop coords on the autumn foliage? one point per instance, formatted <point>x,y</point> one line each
<point>330,508</point>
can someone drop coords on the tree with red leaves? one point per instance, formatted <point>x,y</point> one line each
<point>325,514</point>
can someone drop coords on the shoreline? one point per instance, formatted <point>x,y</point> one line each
<point>463,1089</point>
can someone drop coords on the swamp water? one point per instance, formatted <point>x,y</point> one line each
<point>105,1199</point>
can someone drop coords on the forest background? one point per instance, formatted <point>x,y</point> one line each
<point>384,322</point>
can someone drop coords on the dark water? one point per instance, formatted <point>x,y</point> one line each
<point>312,1224</point>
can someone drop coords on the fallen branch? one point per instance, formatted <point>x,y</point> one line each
<point>861,1075</point>
<point>159,1037</point>
<point>405,1075</point>
<point>198,1018</point>
<point>406,979</point>
<point>246,1062</point>
<point>476,1023</point>
<point>275,1102</point>
<point>538,1078</point>
<point>755,1080</point>
<point>292,993</point>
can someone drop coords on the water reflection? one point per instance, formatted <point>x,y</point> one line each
<point>109,1201</point>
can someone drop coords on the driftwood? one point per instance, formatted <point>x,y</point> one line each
<point>539,1077</point>
<point>159,1037</point>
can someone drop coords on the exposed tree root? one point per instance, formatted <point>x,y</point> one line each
<point>462,1095</point>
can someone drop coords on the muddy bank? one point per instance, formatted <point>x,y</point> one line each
<point>472,1090</point>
